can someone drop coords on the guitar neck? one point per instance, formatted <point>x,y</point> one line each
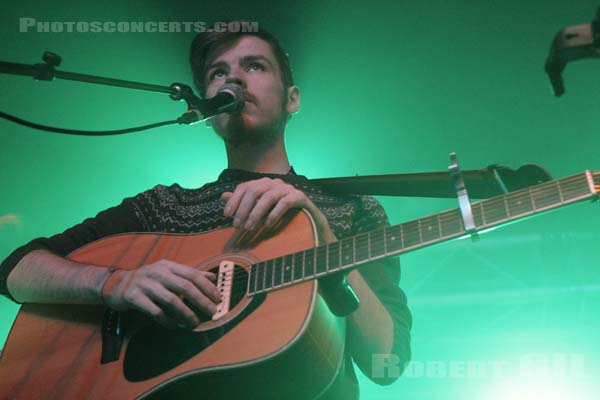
<point>354,251</point>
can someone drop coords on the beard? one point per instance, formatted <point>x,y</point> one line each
<point>237,129</point>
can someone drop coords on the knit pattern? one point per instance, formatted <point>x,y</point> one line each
<point>173,209</point>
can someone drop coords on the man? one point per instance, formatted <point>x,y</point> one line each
<point>257,189</point>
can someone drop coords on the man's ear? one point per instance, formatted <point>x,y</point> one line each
<point>293,99</point>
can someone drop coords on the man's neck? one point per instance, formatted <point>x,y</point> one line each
<point>265,157</point>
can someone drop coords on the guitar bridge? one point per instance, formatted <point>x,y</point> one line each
<point>224,284</point>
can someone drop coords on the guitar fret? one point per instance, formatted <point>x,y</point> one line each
<point>296,270</point>
<point>411,235</point>
<point>252,279</point>
<point>268,276</point>
<point>385,230</point>
<point>348,251</point>
<point>309,263</point>
<point>376,243</point>
<point>288,261</point>
<point>260,279</point>
<point>277,274</point>
<point>257,279</point>
<point>483,219</point>
<point>574,187</point>
<point>493,211</point>
<point>288,274</point>
<point>444,222</point>
<point>459,222</point>
<point>571,189</point>
<point>560,195</point>
<point>519,203</point>
<point>476,209</point>
<point>429,229</point>
<point>544,196</point>
<point>299,264</point>
<point>333,255</point>
<point>393,238</point>
<point>531,199</point>
<point>402,240</point>
<point>264,277</point>
<point>321,260</point>
<point>340,255</point>
<point>361,247</point>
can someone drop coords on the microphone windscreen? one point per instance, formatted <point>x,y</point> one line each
<point>237,92</point>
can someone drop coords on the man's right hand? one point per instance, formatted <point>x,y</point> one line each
<point>166,291</point>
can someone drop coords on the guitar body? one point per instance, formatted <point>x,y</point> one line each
<point>285,344</point>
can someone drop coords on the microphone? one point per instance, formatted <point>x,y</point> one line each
<point>229,97</point>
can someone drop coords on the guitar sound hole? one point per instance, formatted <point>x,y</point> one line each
<point>154,350</point>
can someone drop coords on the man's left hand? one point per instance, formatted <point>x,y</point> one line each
<point>268,200</point>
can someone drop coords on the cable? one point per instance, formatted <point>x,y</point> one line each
<point>80,132</point>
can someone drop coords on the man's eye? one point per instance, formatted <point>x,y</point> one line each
<point>256,67</point>
<point>218,73</point>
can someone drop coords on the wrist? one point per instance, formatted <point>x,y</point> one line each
<point>112,280</point>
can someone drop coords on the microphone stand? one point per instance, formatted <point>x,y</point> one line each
<point>47,71</point>
<point>482,183</point>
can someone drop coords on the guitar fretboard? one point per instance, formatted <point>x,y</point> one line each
<point>354,251</point>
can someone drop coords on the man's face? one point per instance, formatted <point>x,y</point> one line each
<point>250,62</point>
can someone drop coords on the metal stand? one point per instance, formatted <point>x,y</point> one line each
<point>46,71</point>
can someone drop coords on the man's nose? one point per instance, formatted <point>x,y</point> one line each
<point>236,80</point>
<point>236,77</point>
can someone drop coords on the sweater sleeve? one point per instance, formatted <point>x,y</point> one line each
<point>383,277</point>
<point>119,219</point>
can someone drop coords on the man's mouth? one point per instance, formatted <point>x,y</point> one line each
<point>248,98</point>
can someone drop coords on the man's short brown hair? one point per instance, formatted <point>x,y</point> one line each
<point>206,44</point>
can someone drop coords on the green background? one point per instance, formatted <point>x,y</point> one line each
<point>387,87</point>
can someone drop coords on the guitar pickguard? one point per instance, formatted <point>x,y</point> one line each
<point>154,349</point>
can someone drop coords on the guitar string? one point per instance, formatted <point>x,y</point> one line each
<point>452,214</point>
<point>539,194</point>
<point>551,190</point>
<point>289,277</point>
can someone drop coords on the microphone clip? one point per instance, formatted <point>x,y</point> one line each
<point>229,98</point>
<point>184,92</point>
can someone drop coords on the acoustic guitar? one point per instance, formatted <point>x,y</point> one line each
<point>273,336</point>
